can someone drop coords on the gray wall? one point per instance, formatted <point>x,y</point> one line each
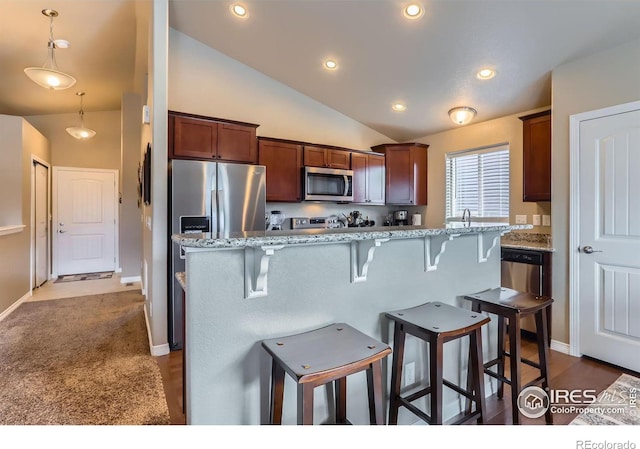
<point>19,142</point>
<point>604,79</point>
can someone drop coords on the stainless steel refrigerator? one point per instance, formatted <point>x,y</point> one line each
<point>216,197</point>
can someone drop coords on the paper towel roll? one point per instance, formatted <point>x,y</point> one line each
<point>416,219</point>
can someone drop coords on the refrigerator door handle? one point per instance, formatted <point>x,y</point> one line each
<point>221,210</point>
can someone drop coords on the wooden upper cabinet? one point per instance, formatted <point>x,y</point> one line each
<point>368,178</point>
<point>284,169</point>
<point>536,156</point>
<point>318,156</point>
<point>204,138</point>
<point>405,173</point>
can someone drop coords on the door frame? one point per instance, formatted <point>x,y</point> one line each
<point>32,256</point>
<point>574,213</point>
<point>116,205</point>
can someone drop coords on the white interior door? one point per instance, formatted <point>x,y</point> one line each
<point>608,257</point>
<point>41,224</point>
<point>84,220</point>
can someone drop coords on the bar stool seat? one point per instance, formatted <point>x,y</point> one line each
<point>321,356</point>
<point>510,306</point>
<point>437,323</point>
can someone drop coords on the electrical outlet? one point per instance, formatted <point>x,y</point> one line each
<point>410,373</point>
<point>521,219</point>
<point>546,220</point>
<point>536,220</point>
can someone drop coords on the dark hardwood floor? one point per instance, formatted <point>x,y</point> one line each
<point>566,372</point>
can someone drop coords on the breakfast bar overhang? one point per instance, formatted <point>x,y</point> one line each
<point>247,287</point>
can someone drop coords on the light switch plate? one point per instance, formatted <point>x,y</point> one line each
<point>536,220</point>
<point>146,114</point>
<point>546,220</point>
<point>521,219</point>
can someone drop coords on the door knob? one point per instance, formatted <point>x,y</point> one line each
<point>62,231</point>
<point>589,250</point>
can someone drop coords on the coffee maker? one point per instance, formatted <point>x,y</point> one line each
<point>400,218</point>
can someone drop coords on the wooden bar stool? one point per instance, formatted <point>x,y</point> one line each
<point>510,306</point>
<point>321,356</point>
<point>437,323</point>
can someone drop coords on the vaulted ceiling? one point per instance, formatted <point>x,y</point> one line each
<point>429,64</point>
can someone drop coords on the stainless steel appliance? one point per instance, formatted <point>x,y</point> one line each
<point>209,197</point>
<point>328,184</point>
<point>401,218</point>
<point>521,270</point>
<point>315,222</point>
<point>276,220</point>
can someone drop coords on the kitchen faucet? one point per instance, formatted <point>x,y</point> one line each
<point>466,213</point>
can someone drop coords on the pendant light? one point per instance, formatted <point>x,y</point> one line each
<point>462,115</point>
<point>80,132</point>
<point>48,76</point>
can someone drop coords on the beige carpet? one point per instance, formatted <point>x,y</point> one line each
<point>80,361</point>
<point>617,405</point>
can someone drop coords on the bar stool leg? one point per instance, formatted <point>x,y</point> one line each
<point>477,372</point>
<point>514,356</point>
<point>502,330</point>
<point>396,372</point>
<point>277,393</point>
<point>435,379</point>
<point>305,404</point>
<point>374,387</point>
<point>543,355</point>
<point>341,400</point>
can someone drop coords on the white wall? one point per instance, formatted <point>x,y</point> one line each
<point>604,79</point>
<point>492,132</point>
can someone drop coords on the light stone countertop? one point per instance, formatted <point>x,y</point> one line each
<point>340,235</point>
<point>528,241</point>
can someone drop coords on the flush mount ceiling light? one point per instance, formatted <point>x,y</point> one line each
<point>413,11</point>
<point>80,132</point>
<point>330,64</point>
<point>462,115</point>
<point>399,107</point>
<point>239,10</point>
<point>48,75</point>
<point>486,74</point>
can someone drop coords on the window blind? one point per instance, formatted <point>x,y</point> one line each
<point>478,180</point>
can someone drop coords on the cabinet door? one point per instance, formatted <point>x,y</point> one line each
<point>360,175</point>
<point>194,138</point>
<point>315,156</point>
<point>237,143</point>
<point>419,162</point>
<point>536,145</point>
<point>399,176</point>
<point>284,164</point>
<point>375,178</point>
<point>339,159</point>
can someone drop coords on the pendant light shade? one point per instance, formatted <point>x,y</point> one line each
<point>462,115</point>
<point>80,132</point>
<point>48,76</point>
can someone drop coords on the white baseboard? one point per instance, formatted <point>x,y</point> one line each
<point>132,279</point>
<point>14,306</point>
<point>157,350</point>
<point>560,347</point>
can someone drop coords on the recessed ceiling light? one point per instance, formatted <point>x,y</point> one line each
<point>413,11</point>
<point>330,64</point>
<point>239,10</point>
<point>398,106</point>
<point>486,74</point>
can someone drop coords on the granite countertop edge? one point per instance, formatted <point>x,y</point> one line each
<point>341,235</point>
<point>528,246</point>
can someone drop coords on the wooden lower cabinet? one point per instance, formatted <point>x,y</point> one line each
<point>368,178</point>
<point>284,169</point>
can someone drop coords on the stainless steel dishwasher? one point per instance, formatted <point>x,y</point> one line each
<point>521,270</point>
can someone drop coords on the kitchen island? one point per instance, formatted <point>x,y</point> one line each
<point>247,287</point>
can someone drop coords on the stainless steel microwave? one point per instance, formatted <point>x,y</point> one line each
<point>328,184</point>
